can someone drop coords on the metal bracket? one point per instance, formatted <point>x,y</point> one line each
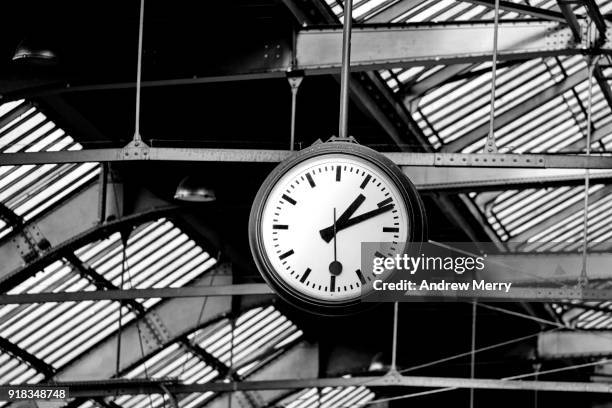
<point>135,150</point>
<point>30,242</point>
<point>453,159</point>
<point>348,139</point>
<point>155,333</point>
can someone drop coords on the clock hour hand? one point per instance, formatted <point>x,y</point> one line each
<point>351,209</point>
<point>328,233</point>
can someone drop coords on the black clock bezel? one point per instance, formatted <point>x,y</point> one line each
<point>414,205</point>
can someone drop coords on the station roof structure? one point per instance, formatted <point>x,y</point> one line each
<point>540,108</point>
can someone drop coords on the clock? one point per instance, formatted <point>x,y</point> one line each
<point>314,211</point>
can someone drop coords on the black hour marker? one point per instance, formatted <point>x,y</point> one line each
<point>310,180</point>
<point>280,226</point>
<point>305,275</point>
<point>332,283</point>
<point>338,173</point>
<point>378,255</point>
<point>291,200</point>
<point>365,181</point>
<point>286,254</point>
<point>390,229</point>
<point>385,202</point>
<point>360,276</point>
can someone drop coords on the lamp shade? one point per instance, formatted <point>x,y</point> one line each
<point>28,50</point>
<point>191,189</point>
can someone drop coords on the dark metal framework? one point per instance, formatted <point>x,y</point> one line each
<point>312,46</point>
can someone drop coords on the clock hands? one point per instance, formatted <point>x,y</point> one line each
<point>335,267</point>
<point>351,209</point>
<point>330,232</point>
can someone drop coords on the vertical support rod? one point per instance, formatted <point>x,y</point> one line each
<point>124,240</point>
<point>294,83</point>
<point>103,181</point>
<point>230,372</point>
<point>394,349</point>
<point>137,137</point>
<point>293,108</point>
<point>346,68</point>
<point>473,354</point>
<point>491,145</point>
<point>585,221</point>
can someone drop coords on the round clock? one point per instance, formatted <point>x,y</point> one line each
<point>313,212</point>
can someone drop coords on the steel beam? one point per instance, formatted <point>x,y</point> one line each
<point>75,215</point>
<point>520,110</point>
<point>552,268</point>
<point>375,48</point>
<point>133,387</point>
<point>577,31</point>
<point>570,18</point>
<point>597,18</point>
<point>434,179</point>
<point>438,78</point>
<point>519,294</point>
<point>127,294</point>
<point>543,273</point>
<point>37,364</point>
<point>598,134</point>
<point>394,11</point>
<point>500,160</point>
<point>574,344</point>
<point>554,292</point>
<point>602,82</point>
<point>520,8</point>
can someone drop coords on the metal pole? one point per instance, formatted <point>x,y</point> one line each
<point>294,82</point>
<point>473,354</point>
<point>491,145</point>
<point>103,181</point>
<point>585,227</point>
<point>394,350</point>
<point>137,137</point>
<point>346,68</point>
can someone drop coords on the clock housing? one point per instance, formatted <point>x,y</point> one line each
<point>361,192</point>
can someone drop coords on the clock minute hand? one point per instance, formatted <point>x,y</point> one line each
<point>327,236</point>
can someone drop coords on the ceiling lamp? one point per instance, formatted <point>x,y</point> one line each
<point>29,51</point>
<point>190,189</point>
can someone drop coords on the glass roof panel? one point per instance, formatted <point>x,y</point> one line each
<point>158,255</point>
<point>329,397</point>
<point>29,190</point>
<point>257,334</point>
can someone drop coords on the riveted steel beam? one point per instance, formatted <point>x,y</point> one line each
<point>382,47</point>
<point>132,387</point>
<point>374,47</point>
<point>273,156</point>
<point>130,294</point>
<point>574,344</point>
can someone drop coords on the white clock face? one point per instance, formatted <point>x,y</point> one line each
<point>297,224</point>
